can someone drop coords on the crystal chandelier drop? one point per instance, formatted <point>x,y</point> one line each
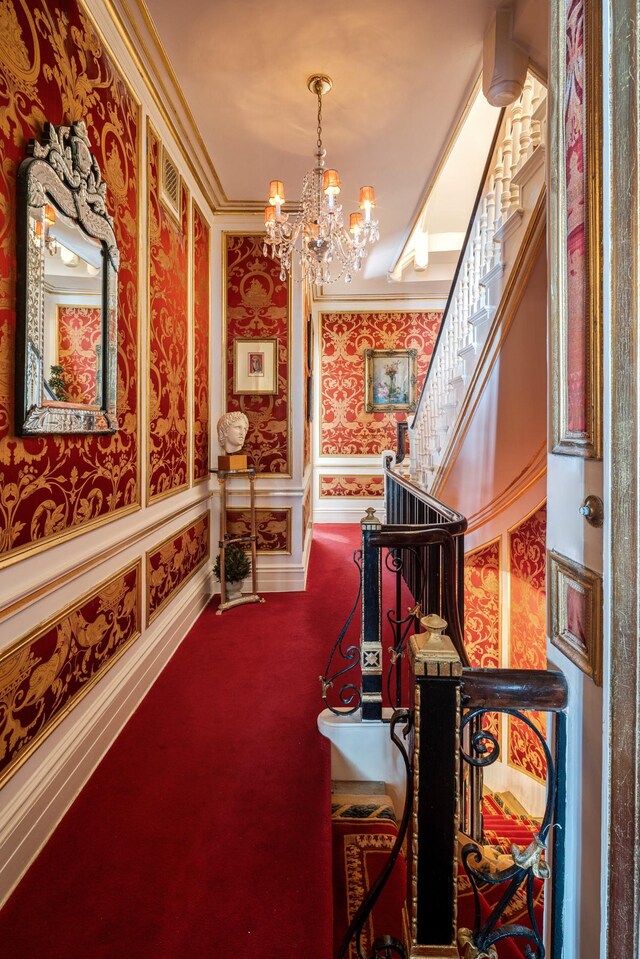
<point>327,250</point>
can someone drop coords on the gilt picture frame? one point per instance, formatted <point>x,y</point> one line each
<point>575,613</point>
<point>390,378</point>
<point>575,228</point>
<point>255,366</point>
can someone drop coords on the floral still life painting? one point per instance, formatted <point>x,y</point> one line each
<point>390,380</point>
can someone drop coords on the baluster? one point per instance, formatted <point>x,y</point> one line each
<point>498,181</point>
<point>516,159</point>
<point>536,128</point>
<point>525,131</point>
<point>507,150</point>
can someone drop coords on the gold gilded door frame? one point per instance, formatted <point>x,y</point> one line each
<point>622,664</point>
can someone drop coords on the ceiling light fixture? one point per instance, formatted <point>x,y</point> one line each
<point>326,249</point>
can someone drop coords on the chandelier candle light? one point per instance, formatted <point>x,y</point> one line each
<point>327,250</point>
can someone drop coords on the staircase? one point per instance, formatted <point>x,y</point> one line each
<point>505,231</point>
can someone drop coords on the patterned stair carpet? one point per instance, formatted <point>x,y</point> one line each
<point>364,828</point>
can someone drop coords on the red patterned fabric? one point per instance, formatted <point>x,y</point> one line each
<point>576,188</point>
<point>57,664</point>
<point>168,336</point>
<point>272,527</point>
<point>257,305</point>
<point>528,648</point>
<point>174,562</point>
<point>343,485</point>
<point>345,427</point>
<point>53,67</point>
<point>482,612</point>
<point>79,332</point>
<point>201,323</point>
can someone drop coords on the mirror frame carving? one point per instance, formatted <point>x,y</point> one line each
<point>62,170</point>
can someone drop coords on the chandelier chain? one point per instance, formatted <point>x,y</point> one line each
<point>319,131</point>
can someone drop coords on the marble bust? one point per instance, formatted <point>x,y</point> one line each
<point>232,431</point>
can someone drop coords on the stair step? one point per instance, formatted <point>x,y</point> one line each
<point>354,787</point>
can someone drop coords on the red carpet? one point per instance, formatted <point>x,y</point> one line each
<point>206,830</point>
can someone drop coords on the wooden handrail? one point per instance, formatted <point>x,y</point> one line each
<point>454,522</point>
<point>543,689</point>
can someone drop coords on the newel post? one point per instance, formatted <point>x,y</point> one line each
<point>371,637</point>
<point>433,829</point>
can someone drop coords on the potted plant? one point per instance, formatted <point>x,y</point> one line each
<point>237,567</point>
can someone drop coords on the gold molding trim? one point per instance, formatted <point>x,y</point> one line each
<point>584,652</point>
<point>532,244</point>
<point>194,206</point>
<point>587,444</point>
<point>223,380</point>
<point>535,469</point>
<point>9,609</point>
<point>51,621</point>
<point>151,616</point>
<point>125,26</point>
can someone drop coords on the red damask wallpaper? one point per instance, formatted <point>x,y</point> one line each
<point>79,332</point>
<point>257,305</point>
<point>345,428</point>
<point>273,527</point>
<point>306,514</point>
<point>46,672</point>
<point>53,67</point>
<point>172,564</point>
<point>482,612</point>
<point>168,336</point>
<point>576,190</point>
<point>528,646</point>
<point>201,321</point>
<point>347,486</point>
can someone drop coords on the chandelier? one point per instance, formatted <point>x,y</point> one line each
<point>317,234</point>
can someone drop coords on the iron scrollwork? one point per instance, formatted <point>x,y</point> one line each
<point>350,694</point>
<point>395,562</point>
<point>527,864</point>
<point>67,258</point>
<point>385,947</point>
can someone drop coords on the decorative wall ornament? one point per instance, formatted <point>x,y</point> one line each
<point>60,188</point>
<point>258,305</point>
<point>345,428</point>
<point>168,353</point>
<point>576,228</point>
<point>350,485</point>
<point>43,675</point>
<point>201,323</point>
<point>53,487</point>
<point>390,380</point>
<point>172,564</point>
<point>527,616</point>
<point>575,613</point>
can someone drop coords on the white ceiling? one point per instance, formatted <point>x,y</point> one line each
<point>402,73</point>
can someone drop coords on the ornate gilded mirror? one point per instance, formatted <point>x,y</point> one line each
<point>67,325</point>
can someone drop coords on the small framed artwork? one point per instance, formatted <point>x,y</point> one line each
<point>575,613</point>
<point>390,380</point>
<point>255,365</point>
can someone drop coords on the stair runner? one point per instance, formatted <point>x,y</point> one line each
<point>364,827</point>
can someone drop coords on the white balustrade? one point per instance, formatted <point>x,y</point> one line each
<point>472,302</point>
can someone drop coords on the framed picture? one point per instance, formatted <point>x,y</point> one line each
<point>575,233</point>
<point>255,365</point>
<point>390,380</point>
<point>575,613</point>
